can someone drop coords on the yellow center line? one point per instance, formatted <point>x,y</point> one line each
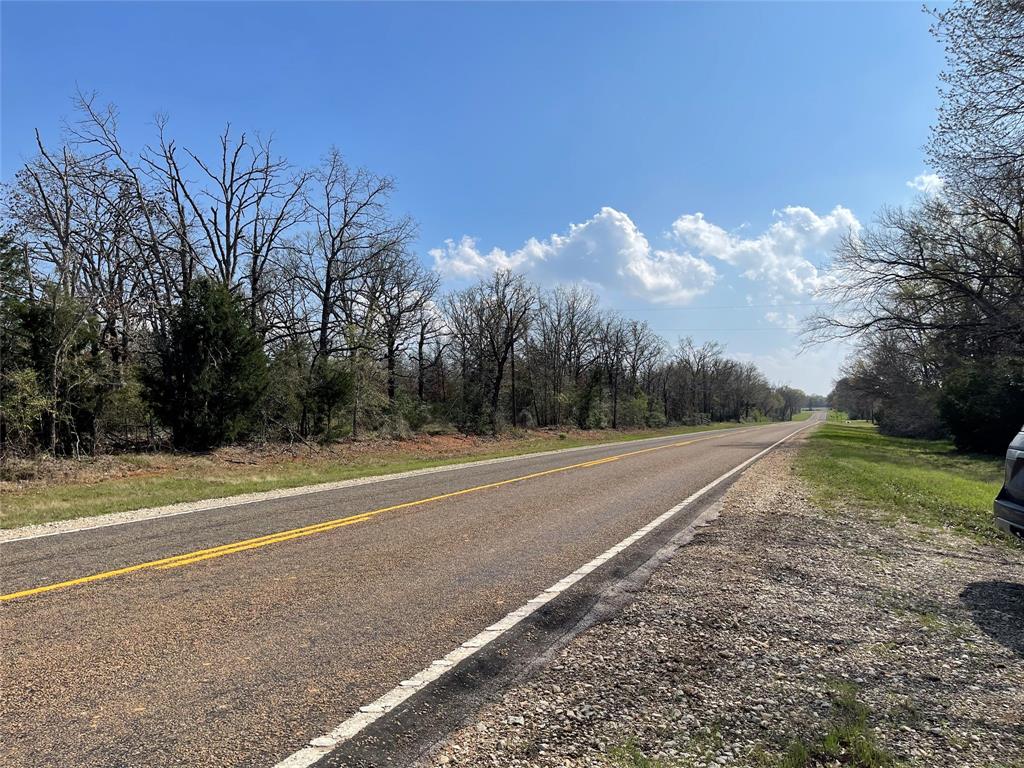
<point>188,558</point>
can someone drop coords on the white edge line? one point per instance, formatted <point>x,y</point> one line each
<point>10,535</point>
<point>322,745</point>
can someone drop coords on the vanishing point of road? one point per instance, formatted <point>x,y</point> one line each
<point>235,636</point>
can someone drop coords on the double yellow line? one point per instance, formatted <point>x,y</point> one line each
<point>200,555</point>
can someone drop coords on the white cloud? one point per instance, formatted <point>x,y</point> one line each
<point>930,184</point>
<point>781,256</point>
<point>464,259</point>
<point>667,276</point>
<point>786,320</point>
<point>607,250</point>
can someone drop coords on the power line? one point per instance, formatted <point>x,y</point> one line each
<point>725,306</point>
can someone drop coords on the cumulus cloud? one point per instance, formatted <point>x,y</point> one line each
<point>781,256</point>
<point>607,250</point>
<point>930,184</point>
<point>464,259</point>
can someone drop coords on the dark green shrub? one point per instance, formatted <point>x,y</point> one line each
<point>211,371</point>
<point>330,390</point>
<point>55,374</point>
<point>911,413</point>
<point>285,406</point>
<point>982,403</point>
<point>415,413</point>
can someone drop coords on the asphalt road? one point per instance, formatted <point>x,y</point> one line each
<point>231,637</point>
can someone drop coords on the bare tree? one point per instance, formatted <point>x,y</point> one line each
<point>430,334</point>
<point>488,320</point>
<point>166,266</point>
<point>613,340</point>
<point>978,140</point>
<point>406,291</point>
<point>928,270</point>
<point>564,347</point>
<point>241,209</point>
<point>351,231</point>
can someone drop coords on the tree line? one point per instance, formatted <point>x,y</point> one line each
<point>934,294</point>
<point>166,296</point>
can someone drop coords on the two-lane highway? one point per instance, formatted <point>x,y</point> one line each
<point>234,636</point>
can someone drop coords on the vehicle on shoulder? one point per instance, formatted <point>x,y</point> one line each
<point>1009,504</point>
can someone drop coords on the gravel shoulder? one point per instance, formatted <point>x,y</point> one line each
<point>783,635</point>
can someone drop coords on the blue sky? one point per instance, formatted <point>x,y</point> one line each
<point>693,162</point>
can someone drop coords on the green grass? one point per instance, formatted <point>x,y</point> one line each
<point>802,415</point>
<point>629,755</point>
<point>848,739</point>
<point>44,502</point>
<point>850,465</point>
<point>706,742</point>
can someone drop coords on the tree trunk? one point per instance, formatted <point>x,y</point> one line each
<point>515,413</point>
<point>419,363</point>
<point>391,355</point>
<point>615,400</point>
<point>323,347</point>
<point>355,394</point>
<point>499,374</point>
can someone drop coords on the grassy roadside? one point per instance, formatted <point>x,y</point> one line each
<point>923,481</point>
<point>848,738</point>
<point>196,478</point>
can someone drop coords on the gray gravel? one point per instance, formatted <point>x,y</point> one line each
<point>737,646</point>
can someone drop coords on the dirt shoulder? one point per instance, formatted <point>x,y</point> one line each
<point>784,636</point>
<point>28,473</point>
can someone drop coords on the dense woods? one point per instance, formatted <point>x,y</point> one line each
<point>934,294</point>
<point>168,297</point>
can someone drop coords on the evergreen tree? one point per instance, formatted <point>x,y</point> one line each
<point>212,370</point>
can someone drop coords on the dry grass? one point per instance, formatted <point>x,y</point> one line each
<point>45,490</point>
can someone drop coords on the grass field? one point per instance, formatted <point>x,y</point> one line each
<point>922,481</point>
<point>192,478</point>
